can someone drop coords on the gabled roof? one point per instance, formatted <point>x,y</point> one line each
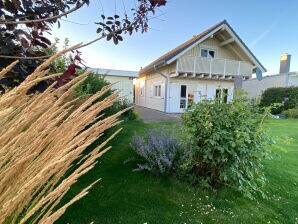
<point>172,55</point>
<point>114,72</point>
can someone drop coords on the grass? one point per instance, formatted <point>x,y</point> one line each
<point>124,196</point>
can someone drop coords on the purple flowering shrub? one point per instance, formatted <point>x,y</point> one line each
<point>160,150</point>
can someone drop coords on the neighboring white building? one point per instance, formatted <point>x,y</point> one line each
<point>202,67</point>
<point>255,88</point>
<point>123,81</point>
<point>285,78</point>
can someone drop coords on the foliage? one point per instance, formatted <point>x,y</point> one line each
<point>291,113</point>
<point>288,96</point>
<point>228,144</point>
<point>61,63</point>
<point>160,149</point>
<point>22,38</point>
<point>23,23</point>
<point>43,144</point>
<point>94,83</point>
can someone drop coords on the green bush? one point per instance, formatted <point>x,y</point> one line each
<point>227,144</point>
<point>94,83</point>
<point>291,113</point>
<point>288,96</point>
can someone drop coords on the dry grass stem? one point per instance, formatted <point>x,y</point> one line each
<point>42,136</point>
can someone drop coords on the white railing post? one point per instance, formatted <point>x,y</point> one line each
<point>194,65</point>
<point>239,64</point>
<point>225,65</point>
<point>210,68</point>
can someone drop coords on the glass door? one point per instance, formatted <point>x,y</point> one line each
<point>183,97</point>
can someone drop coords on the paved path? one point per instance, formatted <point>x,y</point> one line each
<point>150,115</point>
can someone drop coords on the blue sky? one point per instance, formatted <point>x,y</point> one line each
<point>268,27</point>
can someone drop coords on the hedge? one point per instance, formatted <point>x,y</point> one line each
<point>286,95</point>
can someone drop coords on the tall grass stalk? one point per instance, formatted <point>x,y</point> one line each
<point>42,136</point>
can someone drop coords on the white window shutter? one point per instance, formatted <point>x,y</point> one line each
<point>162,90</point>
<point>231,94</point>
<point>151,90</point>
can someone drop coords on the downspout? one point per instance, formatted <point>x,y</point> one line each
<point>166,84</point>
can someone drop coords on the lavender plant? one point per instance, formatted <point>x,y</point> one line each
<point>160,150</point>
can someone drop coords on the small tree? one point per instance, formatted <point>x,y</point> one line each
<point>228,144</point>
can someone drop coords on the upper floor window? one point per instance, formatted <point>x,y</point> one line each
<point>207,53</point>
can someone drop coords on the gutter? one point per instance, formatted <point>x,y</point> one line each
<point>166,84</point>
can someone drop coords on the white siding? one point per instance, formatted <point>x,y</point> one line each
<point>140,91</point>
<point>221,52</point>
<point>152,101</point>
<point>199,88</point>
<point>124,84</point>
<point>255,88</point>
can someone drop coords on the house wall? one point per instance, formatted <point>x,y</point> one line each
<point>222,52</point>
<point>146,82</point>
<point>199,88</point>
<point>145,97</point>
<point>255,88</point>
<point>140,91</point>
<point>123,83</point>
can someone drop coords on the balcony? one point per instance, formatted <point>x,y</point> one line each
<point>202,67</point>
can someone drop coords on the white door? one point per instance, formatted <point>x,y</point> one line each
<point>174,98</point>
<point>211,91</point>
<point>200,93</point>
<point>178,98</point>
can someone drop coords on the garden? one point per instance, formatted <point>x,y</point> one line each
<point>159,173</point>
<point>73,151</point>
<point>124,196</point>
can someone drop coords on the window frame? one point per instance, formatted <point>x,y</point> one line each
<point>141,92</point>
<point>208,48</point>
<point>157,90</point>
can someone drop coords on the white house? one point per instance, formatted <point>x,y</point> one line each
<point>202,67</point>
<point>123,81</point>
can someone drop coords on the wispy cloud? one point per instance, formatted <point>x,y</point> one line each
<point>266,32</point>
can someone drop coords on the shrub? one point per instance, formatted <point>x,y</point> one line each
<point>288,96</point>
<point>227,144</point>
<point>291,113</point>
<point>94,83</point>
<point>160,149</point>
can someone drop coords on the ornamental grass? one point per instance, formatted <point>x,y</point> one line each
<point>43,136</point>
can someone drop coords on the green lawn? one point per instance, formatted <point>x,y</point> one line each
<point>124,196</point>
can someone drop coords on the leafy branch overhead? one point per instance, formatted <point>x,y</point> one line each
<point>113,26</point>
<point>23,24</point>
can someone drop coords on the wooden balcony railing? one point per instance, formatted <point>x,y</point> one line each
<point>213,66</point>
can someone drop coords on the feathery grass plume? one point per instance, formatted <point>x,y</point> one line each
<point>42,136</point>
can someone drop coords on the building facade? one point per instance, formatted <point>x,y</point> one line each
<point>201,68</point>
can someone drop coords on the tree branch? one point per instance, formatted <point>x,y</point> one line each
<point>28,58</point>
<point>6,22</point>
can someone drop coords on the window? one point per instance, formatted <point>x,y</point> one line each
<point>221,95</point>
<point>142,91</point>
<point>183,102</point>
<point>183,91</point>
<point>218,95</point>
<point>225,93</point>
<point>157,90</point>
<point>207,53</point>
